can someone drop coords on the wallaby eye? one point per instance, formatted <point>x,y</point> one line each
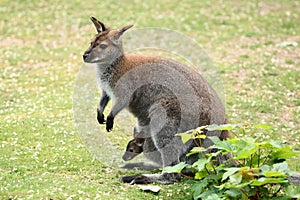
<point>103,46</point>
<point>130,150</point>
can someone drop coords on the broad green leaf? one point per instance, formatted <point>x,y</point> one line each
<point>264,168</point>
<point>233,193</point>
<point>208,193</point>
<point>200,164</point>
<point>212,127</point>
<point>276,144</point>
<point>201,174</point>
<point>224,145</point>
<point>264,181</point>
<point>272,145</point>
<point>249,140</point>
<point>196,150</point>
<point>293,191</point>
<point>246,168</point>
<point>228,185</point>
<point>263,126</point>
<point>238,142</point>
<point>200,185</point>
<point>175,169</point>
<point>264,145</point>
<point>235,179</point>
<point>229,172</point>
<point>213,177</point>
<point>198,188</point>
<point>225,127</point>
<point>284,153</point>
<point>214,139</point>
<point>281,167</point>
<point>242,185</point>
<point>212,197</point>
<point>247,152</point>
<point>201,136</point>
<point>274,174</point>
<point>201,129</point>
<point>185,137</point>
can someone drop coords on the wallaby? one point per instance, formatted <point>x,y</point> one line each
<point>134,146</point>
<point>165,96</point>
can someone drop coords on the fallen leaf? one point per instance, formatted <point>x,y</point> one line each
<point>151,188</point>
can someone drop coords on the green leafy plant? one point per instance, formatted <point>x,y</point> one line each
<point>256,170</point>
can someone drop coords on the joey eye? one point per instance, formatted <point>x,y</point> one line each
<point>103,46</point>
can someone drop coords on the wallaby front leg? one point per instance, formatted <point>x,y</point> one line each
<point>117,107</point>
<point>101,106</point>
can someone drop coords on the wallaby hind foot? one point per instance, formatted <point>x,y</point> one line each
<point>141,166</point>
<point>164,178</point>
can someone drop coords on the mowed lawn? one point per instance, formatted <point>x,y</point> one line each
<point>254,44</point>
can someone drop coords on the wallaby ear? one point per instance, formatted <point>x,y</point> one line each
<point>99,25</point>
<point>125,28</point>
<point>121,31</point>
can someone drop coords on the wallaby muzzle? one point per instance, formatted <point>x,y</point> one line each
<point>85,55</point>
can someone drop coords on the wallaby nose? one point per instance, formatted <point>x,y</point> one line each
<point>85,55</point>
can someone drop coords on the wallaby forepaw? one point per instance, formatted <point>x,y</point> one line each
<point>109,123</point>
<point>100,118</point>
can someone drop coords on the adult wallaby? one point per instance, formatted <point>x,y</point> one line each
<point>165,96</point>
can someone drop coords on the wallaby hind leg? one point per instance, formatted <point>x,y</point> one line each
<point>163,136</point>
<point>168,147</point>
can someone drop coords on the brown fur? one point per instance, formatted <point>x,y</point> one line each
<point>127,62</point>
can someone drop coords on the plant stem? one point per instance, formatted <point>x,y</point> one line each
<point>188,177</point>
<point>265,159</point>
<point>206,169</point>
<point>196,143</point>
<point>258,156</point>
<point>214,168</point>
<point>277,191</point>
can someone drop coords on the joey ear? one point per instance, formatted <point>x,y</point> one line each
<point>99,25</point>
<point>139,141</point>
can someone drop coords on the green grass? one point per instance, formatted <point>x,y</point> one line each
<point>41,43</point>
